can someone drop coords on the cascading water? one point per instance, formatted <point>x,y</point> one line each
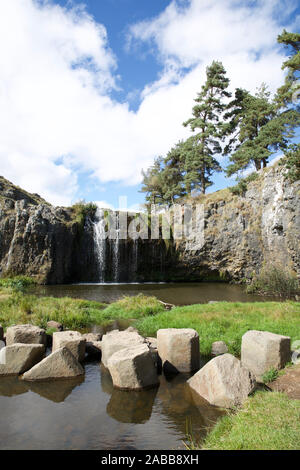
<point>116,245</point>
<point>100,243</point>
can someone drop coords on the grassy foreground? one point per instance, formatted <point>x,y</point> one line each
<point>267,421</point>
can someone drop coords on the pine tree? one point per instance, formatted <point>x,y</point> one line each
<point>173,180</point>
<point>208,130</point>
<point>260,129</point>
<point>291,85</point>
<point>152,183</point>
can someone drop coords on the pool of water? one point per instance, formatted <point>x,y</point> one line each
<point>174,293</point>
<point>90,414</point>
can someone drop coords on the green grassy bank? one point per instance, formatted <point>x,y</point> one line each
<point>267,421</point>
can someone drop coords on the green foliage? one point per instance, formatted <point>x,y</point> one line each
<point>200,163</point>
<point>291,85</point>
<point>82,210</point>
<point>291,161</point>
<point>275,279</point>
<point>267,421</point>
<point>133,307</point>
<point>259,130</point>
<point>270,375</point>
<point>17,283</point>
<point>242,186</point>
<point>227,321</point>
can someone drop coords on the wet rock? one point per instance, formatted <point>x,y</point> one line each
<point>117,340</point>
<point>178,349</point>
<point>55,325</point>
<point>133,368</point>
<point>58,365</point>
<point>71,340</point>
<point>18,358</point>
<point>223,382</point>
<point>262,350</point>
<point>27,334</point>
<point>218,348</point>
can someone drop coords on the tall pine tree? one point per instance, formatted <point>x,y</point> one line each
<point>207,128</point>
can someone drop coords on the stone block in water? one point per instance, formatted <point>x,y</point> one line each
<point>60,364</point>
<point>133,368</point>
<point>18,358</point>
<point>117,340</point>
<point>178,349</point>
<point>27,334</point>
<point>72,340</point>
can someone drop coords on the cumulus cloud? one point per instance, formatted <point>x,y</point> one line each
<point>57,117</point>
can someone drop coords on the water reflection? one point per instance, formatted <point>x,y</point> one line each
<point>88,413</point>
<point>131,407</point>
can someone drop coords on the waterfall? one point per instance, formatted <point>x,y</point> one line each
<point>100,243</point>
<point>116,245</point>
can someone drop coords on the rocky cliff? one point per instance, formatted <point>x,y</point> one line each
<point>241,233</point>
<point>244,232</point>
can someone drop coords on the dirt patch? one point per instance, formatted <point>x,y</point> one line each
<point>288,383</point>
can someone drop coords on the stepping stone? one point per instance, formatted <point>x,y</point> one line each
<point>72,340</point>
<point>60,364</point>
<point>262,350</point>
<point>27,334</point>
<point>178,349</point>
<point>18,358</point>
<point>117,340</point>
<point>223,382</point>
<point>133,368</point>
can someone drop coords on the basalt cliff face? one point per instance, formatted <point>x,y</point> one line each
<point>241,234</point>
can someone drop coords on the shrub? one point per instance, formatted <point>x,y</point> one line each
<point>17,283</point>
<point>242,185</point>
<point>274,279</point>
<point>82,210</point>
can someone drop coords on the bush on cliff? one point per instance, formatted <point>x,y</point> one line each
<point>275,279</point>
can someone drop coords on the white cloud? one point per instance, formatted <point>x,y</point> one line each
<point>57,71</point>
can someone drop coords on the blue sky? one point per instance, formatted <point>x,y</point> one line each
<point>92,91</point>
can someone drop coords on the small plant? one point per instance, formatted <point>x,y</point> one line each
<point>82,210</point>
<point>242,186</point>
<point>274,279</point>
<point>270,375</point>
<point>17,283</point>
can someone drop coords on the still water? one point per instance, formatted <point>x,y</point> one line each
<point>174,293</point>
<point>89,414</point>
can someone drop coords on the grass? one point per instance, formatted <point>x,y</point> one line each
<point>19,308</point>
<point>267,421</point>
<point>226,321</point>
<point>270,375</point>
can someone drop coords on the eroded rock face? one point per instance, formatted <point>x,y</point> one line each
<point>133,368</point>
<point>27,334</point>
<point>223,382</point>
<point>262,350</point>
<point>58,365</point>
<point>71,340</point>
<point>118,340</point>
<point>19,358</point>
<point>178,349</point>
